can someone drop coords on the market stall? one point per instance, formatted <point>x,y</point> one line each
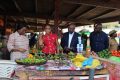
<point>51,71</point>
<point>71,65</point>
<point>111,61</point>
<point>38,66</point>
<point>61,67</point>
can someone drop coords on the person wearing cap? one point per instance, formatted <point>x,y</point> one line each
<point>113,45</point>
<point>98,39</point>
<point>18,43</point>
<point>69,40</point>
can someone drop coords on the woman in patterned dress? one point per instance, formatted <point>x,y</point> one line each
<point>18,43</point>
<point>49,41</point>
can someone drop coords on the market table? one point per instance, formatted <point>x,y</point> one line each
<point>53,73</point>
<point>67,75</point>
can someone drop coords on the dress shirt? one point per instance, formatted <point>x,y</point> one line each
<point>70,39</point>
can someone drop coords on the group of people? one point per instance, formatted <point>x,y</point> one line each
<point>18,43</point>
<point>99,40</point>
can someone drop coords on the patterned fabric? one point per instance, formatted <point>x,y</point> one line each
<point>18,41</point>
<point>49,41</point>
<point>114,70</point>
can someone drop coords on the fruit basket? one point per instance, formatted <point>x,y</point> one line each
<point>31,60</point>
<point>30,64</point>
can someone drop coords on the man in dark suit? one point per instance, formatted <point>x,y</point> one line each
<point>69,40</point>
<point>98,39</point>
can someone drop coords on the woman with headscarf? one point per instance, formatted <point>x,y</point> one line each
<point>18,43</point>
<point>49,41</point>
<point>113,45</point>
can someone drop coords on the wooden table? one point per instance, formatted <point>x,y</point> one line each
<point>67,74</point>
<point>63,74</point>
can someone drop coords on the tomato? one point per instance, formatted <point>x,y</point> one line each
<point>115,53</point>
<point>118,54</point>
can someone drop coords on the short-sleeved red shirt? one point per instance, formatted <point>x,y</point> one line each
<point>49,41</point>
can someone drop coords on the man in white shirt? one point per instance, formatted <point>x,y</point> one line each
<point>69,40</point>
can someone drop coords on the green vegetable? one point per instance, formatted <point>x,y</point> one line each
<point>104,54</point>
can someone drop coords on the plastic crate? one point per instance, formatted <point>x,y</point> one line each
<point>7,68</point>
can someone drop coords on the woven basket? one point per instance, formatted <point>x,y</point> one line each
<point>31,64</point>
<point>7,68</point>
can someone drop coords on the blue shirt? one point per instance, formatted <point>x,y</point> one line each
<point>99,41</point>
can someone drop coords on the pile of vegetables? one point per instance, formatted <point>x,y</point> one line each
<point>104,54</point>
<point>115,53</point>
<point>56,56</point>
<point>33,50</point>
<point>111,55</point>
<point>71,55</point>
<point>31,59</point>
<point>115,56</point>
<point>61,56</point>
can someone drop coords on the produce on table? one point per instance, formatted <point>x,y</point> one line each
<point>31,60</point>
<point>57,56</point>
<point>61,56</point>
<point>104,54</point>
<point>95,63</point>
<point>50,57</point>
<point>115,53</point>
<point>79,60</point>
<point>30,56</point>
<point>38,52</point>
<point>77,64</point>
<point>33,50</point>
<point>114,58</point>
<point>71,55</point>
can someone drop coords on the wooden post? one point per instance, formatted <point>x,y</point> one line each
<point>56,16</point>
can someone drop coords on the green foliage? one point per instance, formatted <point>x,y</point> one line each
<point>71,55</point>
<point>104,54</point>
<point>31,60</point>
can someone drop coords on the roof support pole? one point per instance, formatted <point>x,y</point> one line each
<point>56,16</point>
